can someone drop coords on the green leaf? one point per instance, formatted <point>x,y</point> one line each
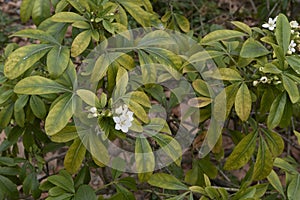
<point>291,88</point>
<point>81,42</point>
<point>242,26</point>
<point>182,22</point>
<point>59,115</point>
<point>31,185</point>
<point>38,107</point>
<point>26,10</point>
<point>276,111</point>
<point>85,192</point>
<point>36,34</point>
<point>145,161</point>
<point>243,102</point>
<point>63,181</point>
<point>271,68</point>
<point>274,141</point>
<point>252,49</point>
<point>65,135</point>
<point>155,38</point>
<point>40,11</point>
<point>121,83</point>
<point>21,102</point>
<point>284,165</point>
<point>170,146</point>
<point>297,135</point>
<point>293,190</point>
<point>225,74</point>
<point>242,152</point>
<point>202,87</point>
<point>5,115</point>
<point>5,95</point>
<point>8,189</point>
<point>37,85</point>
<point>138,111</point>
<point>67,17</point>
<point>219,35</point>
<point>23,58</point>
<point>294,62</point>
<point>74,156</point>
<point>263,165</point>
<point>88,97</point>
<point>283,32</point>
<point>139,97</point>
<point>57,60</point>
<point>166,181</point>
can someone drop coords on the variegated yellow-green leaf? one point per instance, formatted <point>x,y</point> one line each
<point>166,181</point>
<point>145,162</point>
<point>271,68</point>
<point>293,190</point>
<point>40,11</point>
<point>182,22</point>
<point>275,182</point>
<point>36,34</point>
<point>201,87</point>
<point>276,111</point>
<point>38,107</point>
<point>23,58</point>
<point>26,10</point>
<point>20,117</point>
<point>225,74</point>
<point>283,32</point>
<point>81,42</point>
<point>244,27</point>
<point>219,35</point>
<point>252,49</point>
<point>5,115</point>
<point>155,38</point>
<point>242,152</point>
<point>121,83</point>
<point>243,102</point>
<point>291,88</point>
<point>39,85</point>
<point>57,60</point>
<point>65,135</point>
<point>74,156</point>
<point>274,141</point>
<point>5,95</point>
<point>59,115</point>
<point>88,97</point>
<point>67,17</point>
<point>263,165</point>
<point>139,97</point>
<point>138,111</point>
<point>199,102</point>
<point>170,146</point>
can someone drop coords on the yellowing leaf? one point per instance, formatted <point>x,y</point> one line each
<point>291,88</point>
<point>276,111</point>
<point>293,190</point>
<point>57,60</point>
<point>166,181</point>
<point>199,102</point>
<point>65,135</point>
<point>182,22</point>
<point>274,141</point>
<point>74,156</point>
<point>67,17</point>
<point>252,49</point>
<point>218,35</point>
<point>243,102</point>
<point>242,152</point>
<point>275,182</point>
<point>80,43</point>
<point>88,97</point>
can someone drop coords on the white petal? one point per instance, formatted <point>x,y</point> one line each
<point>118,127</point>
<point>266,25</point>
<point>93,109</point>
<point>116,119</point>
<point>119,110</point>
<point>124,129</point>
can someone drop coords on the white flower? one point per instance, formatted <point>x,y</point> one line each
<point>93,109</point>
<point>271,24</point>
<point>92,115</point>
<point>263,79</point>
<point>294,24</point>
<point>124,118</point>
<point>291,48</point>
<point>255,83</point>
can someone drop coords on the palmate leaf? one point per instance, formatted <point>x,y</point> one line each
<point>23,58</point>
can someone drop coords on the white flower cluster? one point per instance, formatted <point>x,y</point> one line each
<point>123,119</point>
<point>271,25</point>
<point>275,80</point>
<point>93,112</point>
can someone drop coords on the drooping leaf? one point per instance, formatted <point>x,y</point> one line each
<point>263,165</point>
<point>283,32</point>
<point>57,60</point>
<point>243,102</point>
<point>37,85</point>
<point>242,152</point>
<point>276,111</point>
<point>23,58</point>
<point>74,156</point>
<point>252,49</point>
<point>145,162</point>
<point>59,115</point>
<point>166,181</point>
<point>275,142</point>
<point>291,88</point>
<point>219,35</point>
